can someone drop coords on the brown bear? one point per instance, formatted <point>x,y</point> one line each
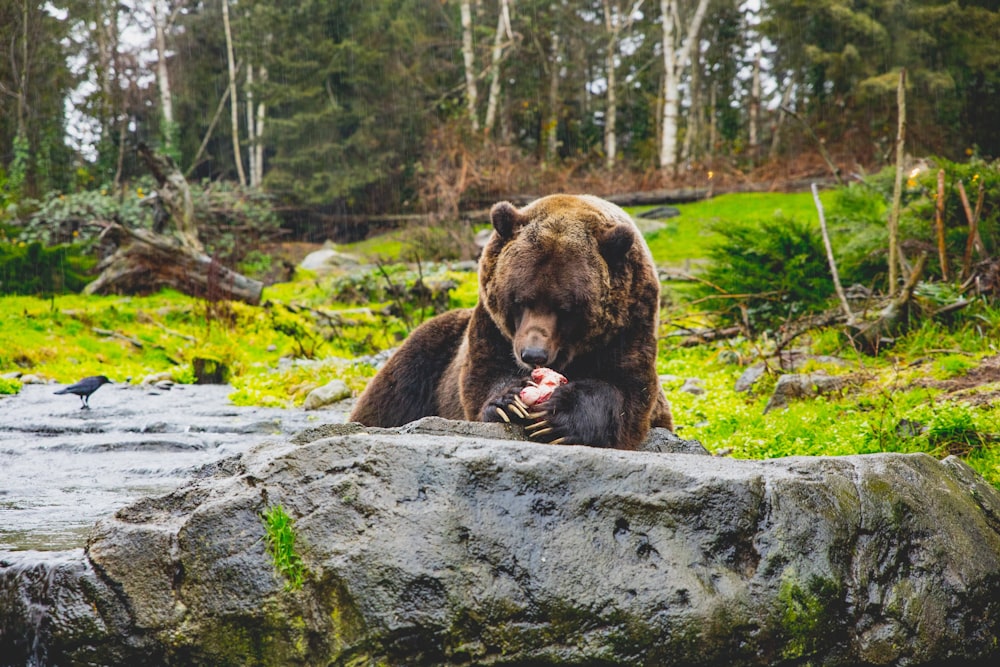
<point>565,283</point>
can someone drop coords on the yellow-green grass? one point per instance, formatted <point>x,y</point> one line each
<point>688,237</point>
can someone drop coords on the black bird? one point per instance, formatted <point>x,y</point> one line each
<point>85,387</point>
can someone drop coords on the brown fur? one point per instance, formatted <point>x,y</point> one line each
<point>566,282</point>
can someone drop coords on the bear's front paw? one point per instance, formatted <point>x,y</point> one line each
<point>574,415</point>
<point>508,407</point>
<point>545,427</point>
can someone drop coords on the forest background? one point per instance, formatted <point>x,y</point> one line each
<point>392,106</point>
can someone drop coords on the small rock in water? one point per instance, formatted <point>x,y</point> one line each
<point>156,378</point>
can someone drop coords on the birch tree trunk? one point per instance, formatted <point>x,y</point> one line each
<point>552,124</point>
<point>779,121</point>
<point>614,22</point>
<point>257,179</point>
<point>503,30</point>
<point>897,190</point>
<point>468,56</point>
<point>689,149</point>
<point>255,128</point>
<point>235,116</point>
<point>675,61</point>
<point>251,127</point>
<point>611,110</point>
<point>754,112</point>
<point>160,19</point>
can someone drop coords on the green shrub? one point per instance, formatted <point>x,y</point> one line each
<point>9,386</point>
<point>917,218</point>
<point>859,217</point>
<point>30,268</point>
<point>80,217</point>
<point>773,268</point>
<point>859,233</point>
<point>233,220</point>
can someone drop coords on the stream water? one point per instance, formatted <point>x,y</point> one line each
<point>63,468</point>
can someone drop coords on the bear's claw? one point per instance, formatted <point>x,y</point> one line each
<point>518,410</point>
<point>503,415</point>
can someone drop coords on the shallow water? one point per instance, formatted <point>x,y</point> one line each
<point>63,468</point>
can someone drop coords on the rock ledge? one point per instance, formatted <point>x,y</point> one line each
<point>443,543</point>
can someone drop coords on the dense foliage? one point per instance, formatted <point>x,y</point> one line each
<point>766,272</point>
<point>31,268</point>
<point>235,222</point>
<point>361,106</point>
<point>774,269</point>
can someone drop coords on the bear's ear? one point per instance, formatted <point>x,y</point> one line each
<point>616,244</point>
<point>506,219</point>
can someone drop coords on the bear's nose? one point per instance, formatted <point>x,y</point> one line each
<point>534,356</point>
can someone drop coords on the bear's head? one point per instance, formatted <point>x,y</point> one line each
<point>556,276</point>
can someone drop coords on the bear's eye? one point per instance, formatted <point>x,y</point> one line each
<point>521,302</point>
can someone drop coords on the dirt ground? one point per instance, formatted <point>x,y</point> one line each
<point>970,387</point>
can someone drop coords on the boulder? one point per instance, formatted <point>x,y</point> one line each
<point>455,543</point>
<point>796,386</point>
<point>332,392</point>
<point>327,259</point>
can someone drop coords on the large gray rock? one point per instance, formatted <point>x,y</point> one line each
<point>428,546</point>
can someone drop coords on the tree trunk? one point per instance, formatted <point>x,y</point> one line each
<point>611,107</point>
<point>257,179</point>
<point>503,29</point>
<point>786,99</point>
<point>897,191</point>
<point>251,127</point>
<point>468,56</point>
<point>675,60</point>
<point>148,262</point>
<point>235,116</point>
<point>754,113</point>
<point>175,195</point>
<point>614,22</point>
<point>713,119</point>
<point>610,110</point>
<point>162,75</point>
<point>694,116</point>
<point>552,124</point>
<point>22,84</point>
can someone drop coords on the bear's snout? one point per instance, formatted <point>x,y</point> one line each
<point>535,356</point>
<point>535,340</point>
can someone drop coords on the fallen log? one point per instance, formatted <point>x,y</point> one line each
<point>148,262</point>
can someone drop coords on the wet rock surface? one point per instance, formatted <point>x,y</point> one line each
<point>63,468</point>
<point>451,543</point>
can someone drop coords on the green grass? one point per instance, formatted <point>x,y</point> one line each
<point>686,238</point>
<point>280,535</point>
<point>890,410</point>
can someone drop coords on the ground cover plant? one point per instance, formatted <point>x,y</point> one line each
<point>932,391</point>
<point>280,530</point>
